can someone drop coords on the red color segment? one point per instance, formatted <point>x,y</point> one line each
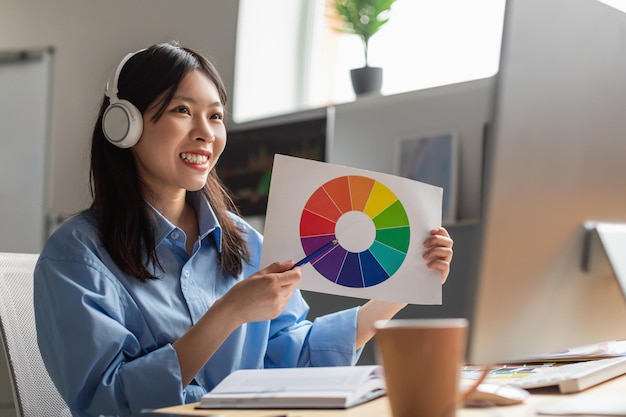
<point>312,224</point>
<point>321,204</point>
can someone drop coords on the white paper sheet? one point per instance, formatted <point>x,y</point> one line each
<point>611,403</point>
<point>380,222</point>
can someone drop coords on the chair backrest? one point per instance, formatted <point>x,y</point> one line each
<point>33,391</point>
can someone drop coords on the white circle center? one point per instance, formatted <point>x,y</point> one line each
<point>355,231</point>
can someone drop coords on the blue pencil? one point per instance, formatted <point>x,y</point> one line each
<point>317,253</point>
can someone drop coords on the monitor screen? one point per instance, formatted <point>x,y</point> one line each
<point>556,159</point>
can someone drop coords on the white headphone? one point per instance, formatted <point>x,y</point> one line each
<point>122,123</point>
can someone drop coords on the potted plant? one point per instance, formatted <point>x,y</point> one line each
<point>364,18</point>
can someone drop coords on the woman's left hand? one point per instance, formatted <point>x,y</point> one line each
<point>439,251</point>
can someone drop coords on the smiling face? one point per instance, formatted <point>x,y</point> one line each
<point>177,151</point>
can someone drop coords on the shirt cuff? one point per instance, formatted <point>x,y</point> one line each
<point>159,369</point>
<point>332,341</point>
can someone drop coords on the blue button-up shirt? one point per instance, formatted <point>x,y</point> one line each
<point>106,338</point>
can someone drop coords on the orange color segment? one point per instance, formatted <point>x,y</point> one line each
<point>360,189</point>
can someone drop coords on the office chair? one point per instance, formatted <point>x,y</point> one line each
<point>33,391</point>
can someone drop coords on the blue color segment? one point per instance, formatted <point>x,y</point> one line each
<point>350,275</point>
<point>373,273</point>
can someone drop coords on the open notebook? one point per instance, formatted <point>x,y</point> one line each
<point>311,387</point>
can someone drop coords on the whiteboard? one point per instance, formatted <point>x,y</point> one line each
<point>24,109</point>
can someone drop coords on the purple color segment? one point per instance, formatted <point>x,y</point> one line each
<point>330,263</point>
<point>313,243</point>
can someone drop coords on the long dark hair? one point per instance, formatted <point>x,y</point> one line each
<point>125,219</point>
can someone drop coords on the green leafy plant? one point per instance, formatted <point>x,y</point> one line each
<point>363,18</point>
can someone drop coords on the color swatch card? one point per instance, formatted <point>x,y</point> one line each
<point>359,233</point>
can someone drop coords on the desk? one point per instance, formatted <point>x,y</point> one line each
<point>380,407</point>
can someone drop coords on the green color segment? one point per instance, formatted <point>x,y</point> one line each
<point>398,238</point>
<point>392,216</point>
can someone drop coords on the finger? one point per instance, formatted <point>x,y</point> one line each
<point>290,277</point>
<point>438,240</point>
<point>442,266</point>
<point>440,231</point>
<point>439,252</point>
<point>280,266</point>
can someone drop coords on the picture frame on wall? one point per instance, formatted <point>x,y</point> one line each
<point>432,157</point>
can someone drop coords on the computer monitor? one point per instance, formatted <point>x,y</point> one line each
<point>556,159</point>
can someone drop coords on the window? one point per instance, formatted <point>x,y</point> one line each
<point>289,58</point>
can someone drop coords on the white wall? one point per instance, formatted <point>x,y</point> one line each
<point>89,38</point>
<point>24,108</point>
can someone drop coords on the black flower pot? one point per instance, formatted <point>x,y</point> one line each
<point>366,80</point>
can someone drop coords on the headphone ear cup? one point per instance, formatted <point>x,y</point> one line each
<point>122,124</point>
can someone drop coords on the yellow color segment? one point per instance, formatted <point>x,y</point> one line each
<point>380,198</point>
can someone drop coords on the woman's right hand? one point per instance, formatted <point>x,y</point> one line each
<point>264,294</point>
<point>261,296</point>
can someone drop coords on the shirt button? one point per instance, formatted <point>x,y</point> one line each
<point>175,235</point>
<point>186,273</point>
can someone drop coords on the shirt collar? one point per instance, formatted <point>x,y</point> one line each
<point>207,220</point>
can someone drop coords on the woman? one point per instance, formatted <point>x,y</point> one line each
<point>154,294</point>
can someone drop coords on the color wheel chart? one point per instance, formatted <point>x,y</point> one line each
<point>368,221</point>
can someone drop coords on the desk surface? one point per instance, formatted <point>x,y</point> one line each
<point>380,407</point>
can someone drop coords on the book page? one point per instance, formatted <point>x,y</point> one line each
<point>309,387</point>
<point>310,379</point>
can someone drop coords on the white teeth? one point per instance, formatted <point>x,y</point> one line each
<point>194,158</point>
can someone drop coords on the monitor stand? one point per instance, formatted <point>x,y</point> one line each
<point>606,242</point>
